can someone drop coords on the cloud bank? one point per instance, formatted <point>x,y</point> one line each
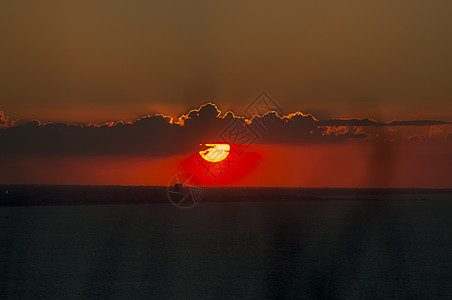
<point>161,135</point>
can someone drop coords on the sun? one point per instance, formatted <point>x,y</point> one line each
<point>215,152</point>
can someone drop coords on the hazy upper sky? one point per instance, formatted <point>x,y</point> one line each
<point>102,60</point>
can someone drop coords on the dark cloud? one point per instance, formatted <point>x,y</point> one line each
<point>160,135</point>
<point>299,128</point>
<point>370,122</point>
<point>350,122</point>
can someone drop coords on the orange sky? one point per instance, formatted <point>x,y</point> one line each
<point>373,156</point>
<point>97,61</point>
<point>93,62</point>
<point>333,165</point>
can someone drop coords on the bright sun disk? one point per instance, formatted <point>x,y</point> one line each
<point>215,152</point>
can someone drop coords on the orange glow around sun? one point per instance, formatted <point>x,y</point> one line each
<point>215,152</point>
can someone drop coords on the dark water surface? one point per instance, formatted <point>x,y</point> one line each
<point>344,249</point>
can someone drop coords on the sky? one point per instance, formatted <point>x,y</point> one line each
<point>114,64</point>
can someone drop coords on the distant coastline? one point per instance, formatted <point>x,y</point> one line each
<point>39,195</point>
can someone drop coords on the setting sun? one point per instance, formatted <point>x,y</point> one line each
<point>215,152</point>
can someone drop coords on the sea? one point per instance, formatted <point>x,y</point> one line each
<point>60,243</point>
